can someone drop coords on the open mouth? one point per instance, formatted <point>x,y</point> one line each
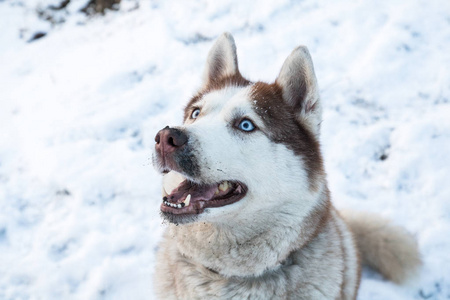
<point>184,197</point>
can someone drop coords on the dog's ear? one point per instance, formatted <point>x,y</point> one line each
<point>222,60</point>
<point>299,85</point>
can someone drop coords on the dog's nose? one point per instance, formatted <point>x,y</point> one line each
<point>170,139</point>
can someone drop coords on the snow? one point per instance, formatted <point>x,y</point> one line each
<point>79,109</point>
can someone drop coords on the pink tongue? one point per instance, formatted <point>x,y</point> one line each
<point>197,192</point>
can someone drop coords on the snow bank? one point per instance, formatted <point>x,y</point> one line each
<point>80,106</point>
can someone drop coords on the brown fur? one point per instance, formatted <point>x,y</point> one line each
<point>215,85</point>
<point>285,128</point>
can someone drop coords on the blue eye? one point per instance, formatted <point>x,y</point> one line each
<point>195,113</point>
<point>246,125</point>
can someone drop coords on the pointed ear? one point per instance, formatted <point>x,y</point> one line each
<point>299,85</point>
<point>222,60</point>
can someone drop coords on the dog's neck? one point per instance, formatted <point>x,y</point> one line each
<point>249,248</point>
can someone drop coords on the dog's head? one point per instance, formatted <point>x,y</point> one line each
<point>243,146</point>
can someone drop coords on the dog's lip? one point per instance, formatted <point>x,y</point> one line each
<point>201,197</point>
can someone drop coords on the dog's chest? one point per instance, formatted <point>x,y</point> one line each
<point>317,271</point>
<point>197,282</point>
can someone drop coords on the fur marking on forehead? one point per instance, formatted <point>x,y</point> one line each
<point>283,126</point>
<point>214,85</point>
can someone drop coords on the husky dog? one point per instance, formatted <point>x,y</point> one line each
<point>246,198</point>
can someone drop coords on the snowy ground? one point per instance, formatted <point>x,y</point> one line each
<point>79,109</point>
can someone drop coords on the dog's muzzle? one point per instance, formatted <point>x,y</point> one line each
<point>173,152</point>
<point>185,195</point>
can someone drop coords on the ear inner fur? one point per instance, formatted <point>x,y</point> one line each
<point>298,82</point>
<point>222,60</point>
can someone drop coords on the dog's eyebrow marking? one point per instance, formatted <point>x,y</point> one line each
<point>235,80</point>
<point>191,104</point>
<point>237,113</point>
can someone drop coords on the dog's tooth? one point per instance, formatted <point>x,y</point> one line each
<point>188,200</point>
<point>217,191</point>
<point>179,205</point>
<point>223,186</point>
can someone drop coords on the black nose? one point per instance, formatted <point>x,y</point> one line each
<point>169,140</point>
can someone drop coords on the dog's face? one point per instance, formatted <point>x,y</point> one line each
<point>244,147</point>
